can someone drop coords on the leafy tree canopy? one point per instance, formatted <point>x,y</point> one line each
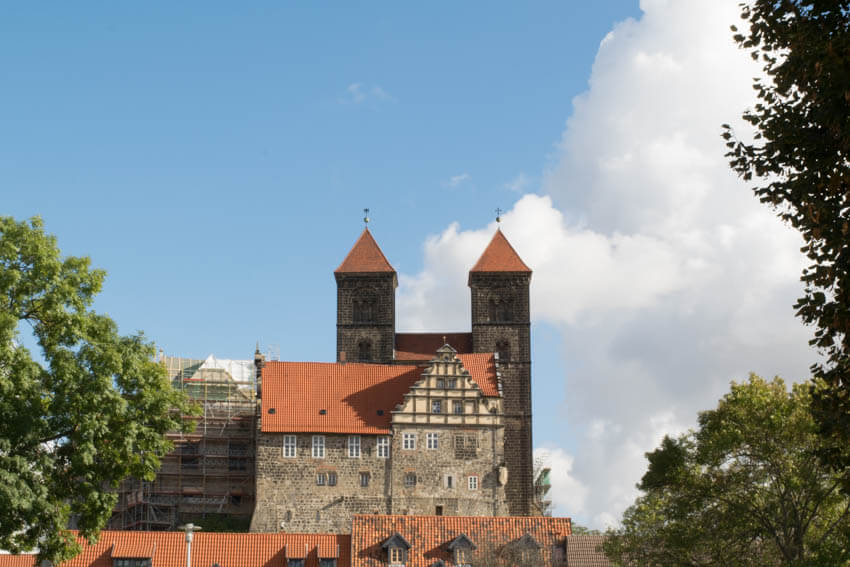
<point>745,488</point>
<point>90,411</point>
<point>799,159</point>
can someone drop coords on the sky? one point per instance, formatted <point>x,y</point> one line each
<point>216,161</point>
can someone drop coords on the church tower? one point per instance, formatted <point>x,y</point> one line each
<point>501,323</point>
<point>365,304</point>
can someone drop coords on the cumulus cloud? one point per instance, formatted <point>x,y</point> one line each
<point>519,183</point>
<point>665,276</point>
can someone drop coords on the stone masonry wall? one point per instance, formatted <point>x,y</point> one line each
<point>493,334</point>
<point>379,291</point>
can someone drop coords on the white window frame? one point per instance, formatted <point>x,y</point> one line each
<point>408,441</point>
<point>449,481</point>
<point>318,446</point>
<point>433,440</point>
<point>290,446</point>
<point>457,405</point>
<point>472,482</point>
<point>354,446</point>
<point>383,444</point>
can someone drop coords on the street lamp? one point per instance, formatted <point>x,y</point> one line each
<point>189,529</point>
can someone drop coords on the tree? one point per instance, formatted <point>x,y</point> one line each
<point>746,488</point>
<point>800,159</point>
<point>91,410</point>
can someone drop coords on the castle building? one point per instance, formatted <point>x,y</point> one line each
<point>402,423</point>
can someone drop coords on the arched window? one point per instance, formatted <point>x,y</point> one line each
<point>364,310</point>
<point>364,350</point>
<point>503,347</point>
<point>501,309</point>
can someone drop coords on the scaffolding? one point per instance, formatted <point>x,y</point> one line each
<point>209,476</point>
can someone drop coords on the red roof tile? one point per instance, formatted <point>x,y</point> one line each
<point>365,256</point>
<point>582,551</point>
<point>423,346</point>
<point>228,549</point>
<point>429,535</point>
<point>351,395</point>
<point>130,549</point>
<point>482,369</point>
<point>500,256</point>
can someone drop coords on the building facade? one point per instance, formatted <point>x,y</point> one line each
<point>401,423</point>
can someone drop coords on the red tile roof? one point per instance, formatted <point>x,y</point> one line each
<point>227,549</point>
<point>582,551</point>
<point>500,256</point>
<point>423,346</point>
<point>429,535</point>
<point>482,369</point>
<point>351,395</point>
<point>133,548</point>
<point>365,257</point>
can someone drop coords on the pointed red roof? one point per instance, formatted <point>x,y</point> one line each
<point>365,256</point>
<point>500,256</point>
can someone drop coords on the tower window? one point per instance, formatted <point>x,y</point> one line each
<point>501,310</point>
<point>503,347</point>
<point>364,350</point>
<point>364,310</point>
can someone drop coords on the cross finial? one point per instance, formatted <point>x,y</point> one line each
<point>366,216</point>
<point>498,215</point>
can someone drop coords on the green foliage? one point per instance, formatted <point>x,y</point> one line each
<point>800,160</point>
<point>746,488</point>
<point>94,411</point>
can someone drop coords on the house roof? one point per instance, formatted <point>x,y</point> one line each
<point>411,347</point>
<point>429,536</point>
<point>351,395</point>
<point>133,549</point>
<point>365,257</point>
<point>500,256</point>
<point>581,551</point>
<point>353,398</point>
<point>244,550</point>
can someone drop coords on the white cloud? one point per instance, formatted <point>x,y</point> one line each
<point>664,274</point>
<point>518,183</point>
<point>358,93</point>
<point>456,180</point>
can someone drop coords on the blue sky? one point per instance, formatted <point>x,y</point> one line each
<point>215,161</point>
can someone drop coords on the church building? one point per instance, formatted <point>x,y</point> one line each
<point>402,423</point>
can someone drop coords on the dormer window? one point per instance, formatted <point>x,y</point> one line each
<point>462,548</point>
<point>132,562</point>
<point>397,548</point>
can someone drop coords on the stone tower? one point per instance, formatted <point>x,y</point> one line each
<point>365,304</point>
<point>499,283</point>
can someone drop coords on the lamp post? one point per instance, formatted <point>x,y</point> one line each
<point>189,529</point>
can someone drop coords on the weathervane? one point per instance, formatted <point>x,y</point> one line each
<point>366,216</point>
<point>498,215</point>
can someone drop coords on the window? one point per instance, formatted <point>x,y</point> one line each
<point>441,383</point>
<point>364,350</point>
<point>289,446</point>
<point>331,479</point>
<point>436,406</point>
<point>473,482</point>
<point>364,310</point>
<point>501,309</point>
<point>318,446</point>
<point>133,562</point>
<point>383,447</point>
<point>354,446</point>
<point>327,562</point>
<point>504,349</point>
<point>364,479</point>
<point>397,555</point>
<point>409,441</point>
<point>438,511</point>
<point>462,557</point>
<point>294,563</point>
<point>457,407</point>
<point>433,440</point>
<point>410,480</point>
<point>450,481</point>
<point>320,479</point>
<point>451,383</point>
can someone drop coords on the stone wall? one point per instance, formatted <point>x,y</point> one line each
<point>375,323</point>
